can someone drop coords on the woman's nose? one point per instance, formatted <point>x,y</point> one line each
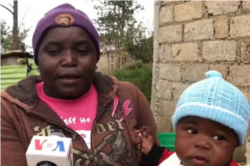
<point>69,58</point>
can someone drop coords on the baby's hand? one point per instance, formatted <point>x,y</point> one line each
<point>147,142</point>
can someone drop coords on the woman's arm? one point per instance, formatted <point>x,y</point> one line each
<point>13,151</point>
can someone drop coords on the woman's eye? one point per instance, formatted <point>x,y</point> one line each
<point>82,51</point>
<point>192,131</point>
<point>53,51</point>
<point>219,138</point>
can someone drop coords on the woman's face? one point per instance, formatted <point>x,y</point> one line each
<point>67,60</point>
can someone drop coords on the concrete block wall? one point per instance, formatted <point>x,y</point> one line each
<point>192,37</point>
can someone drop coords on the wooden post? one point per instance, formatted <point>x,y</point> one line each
<point>15,43</point>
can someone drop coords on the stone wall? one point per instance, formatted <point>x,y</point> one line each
<point>194,37</point>
<point>191,38</point>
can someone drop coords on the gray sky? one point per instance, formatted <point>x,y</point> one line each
<point>31,11</point>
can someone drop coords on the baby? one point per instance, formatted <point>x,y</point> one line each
<point>210,120</point>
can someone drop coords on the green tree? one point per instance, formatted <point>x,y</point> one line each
<point>119,28</point>
<point>14,11</point>
<point>141,48</point>
<point>116,22</point>
<point>7,37</point>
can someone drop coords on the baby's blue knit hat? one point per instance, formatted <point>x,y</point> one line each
<point>215,99</point>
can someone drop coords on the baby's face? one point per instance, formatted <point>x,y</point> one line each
<point>202,142</point>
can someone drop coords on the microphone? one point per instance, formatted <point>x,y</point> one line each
<point>55,150</point>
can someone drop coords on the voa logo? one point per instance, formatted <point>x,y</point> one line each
<point>49,145</point>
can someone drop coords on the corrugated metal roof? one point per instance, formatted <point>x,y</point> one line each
<point>10,75</point>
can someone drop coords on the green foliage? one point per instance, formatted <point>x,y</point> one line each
<point>6,36</point>
<point>139,74</point>
<point>116,22</point>
<point>142,49</point>
<point>119,29</point>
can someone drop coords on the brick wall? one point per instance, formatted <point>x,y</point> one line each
<point>192,38</point>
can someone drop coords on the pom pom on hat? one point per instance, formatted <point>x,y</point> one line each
<point>213,73</point>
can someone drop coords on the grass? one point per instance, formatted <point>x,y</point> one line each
<point>139,74</point>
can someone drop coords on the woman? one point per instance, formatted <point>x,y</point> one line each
<point>98,112</point>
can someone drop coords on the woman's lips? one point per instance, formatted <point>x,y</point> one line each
<point>69,80</point>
